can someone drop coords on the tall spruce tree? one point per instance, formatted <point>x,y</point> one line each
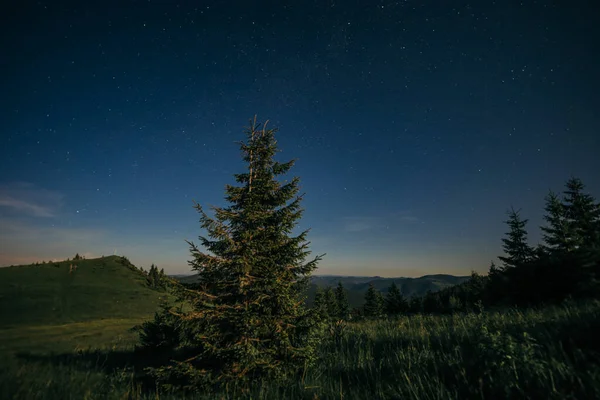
<point>248,320</point>
<point>517,250</point>
<point>373,302</point>
<point>582,213</point>
<point>557,234</point>
<point>395,303</point>
<point>341,299</point>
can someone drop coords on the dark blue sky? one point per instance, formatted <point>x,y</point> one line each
<point>416,124</point>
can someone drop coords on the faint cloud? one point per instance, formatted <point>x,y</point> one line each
<point>367,223</point>
<point>405,216</point>
<point>26,199</point>
<point>361,224</point>
<point>24,206</point>
<point>409,218</point>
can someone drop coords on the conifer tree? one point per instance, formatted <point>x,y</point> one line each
<point>373,302</point>
<point>395,303</point>
<point>331,302</point>
<point>415,305</point>
<point>432,302</point>
<point>320,305</point>
<point>518,252</point>
<point>582,213</point>
<point>495,284</point>
<point>248,319</point>
<point>341,298</point>
<point>557,234</point>
<point>153,277</point>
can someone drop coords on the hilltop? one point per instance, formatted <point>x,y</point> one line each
<point>56,293</point>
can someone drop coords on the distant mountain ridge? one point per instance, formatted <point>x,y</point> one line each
<point>357,285</point>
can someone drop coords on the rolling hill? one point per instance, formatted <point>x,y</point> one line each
<point>52,293</point>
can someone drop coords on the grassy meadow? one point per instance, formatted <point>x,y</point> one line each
<point>77,343</point>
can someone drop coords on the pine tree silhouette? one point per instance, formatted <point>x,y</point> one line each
<point>395,303</point>
<point>341,298</point>
<point>518,252</point>
<point>373,302</point>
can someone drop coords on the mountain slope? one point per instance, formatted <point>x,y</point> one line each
<point>108,287</point>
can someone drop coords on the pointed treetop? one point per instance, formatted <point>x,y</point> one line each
<point>517,250</point>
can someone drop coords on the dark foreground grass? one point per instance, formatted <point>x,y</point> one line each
<point>547,354</point>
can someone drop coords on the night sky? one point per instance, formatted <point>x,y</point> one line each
<point>416,124</point>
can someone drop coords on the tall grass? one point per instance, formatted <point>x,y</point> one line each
<point>552,353</point>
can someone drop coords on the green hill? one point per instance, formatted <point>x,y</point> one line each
<point>101,288</point>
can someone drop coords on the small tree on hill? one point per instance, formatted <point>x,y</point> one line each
<point>518,252</point>
<point>395,303</point>
<point>154,277</point>
<point>373,302</point>
<point>341,298</point>
<point>248,320</point>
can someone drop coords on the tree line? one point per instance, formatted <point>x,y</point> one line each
<point>566,265</point>
<point>155,278</point>
<point>332,304</point>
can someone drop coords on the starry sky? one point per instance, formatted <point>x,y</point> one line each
<point>416,124</point>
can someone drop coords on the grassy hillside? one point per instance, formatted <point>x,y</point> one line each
<point>49,294</point>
